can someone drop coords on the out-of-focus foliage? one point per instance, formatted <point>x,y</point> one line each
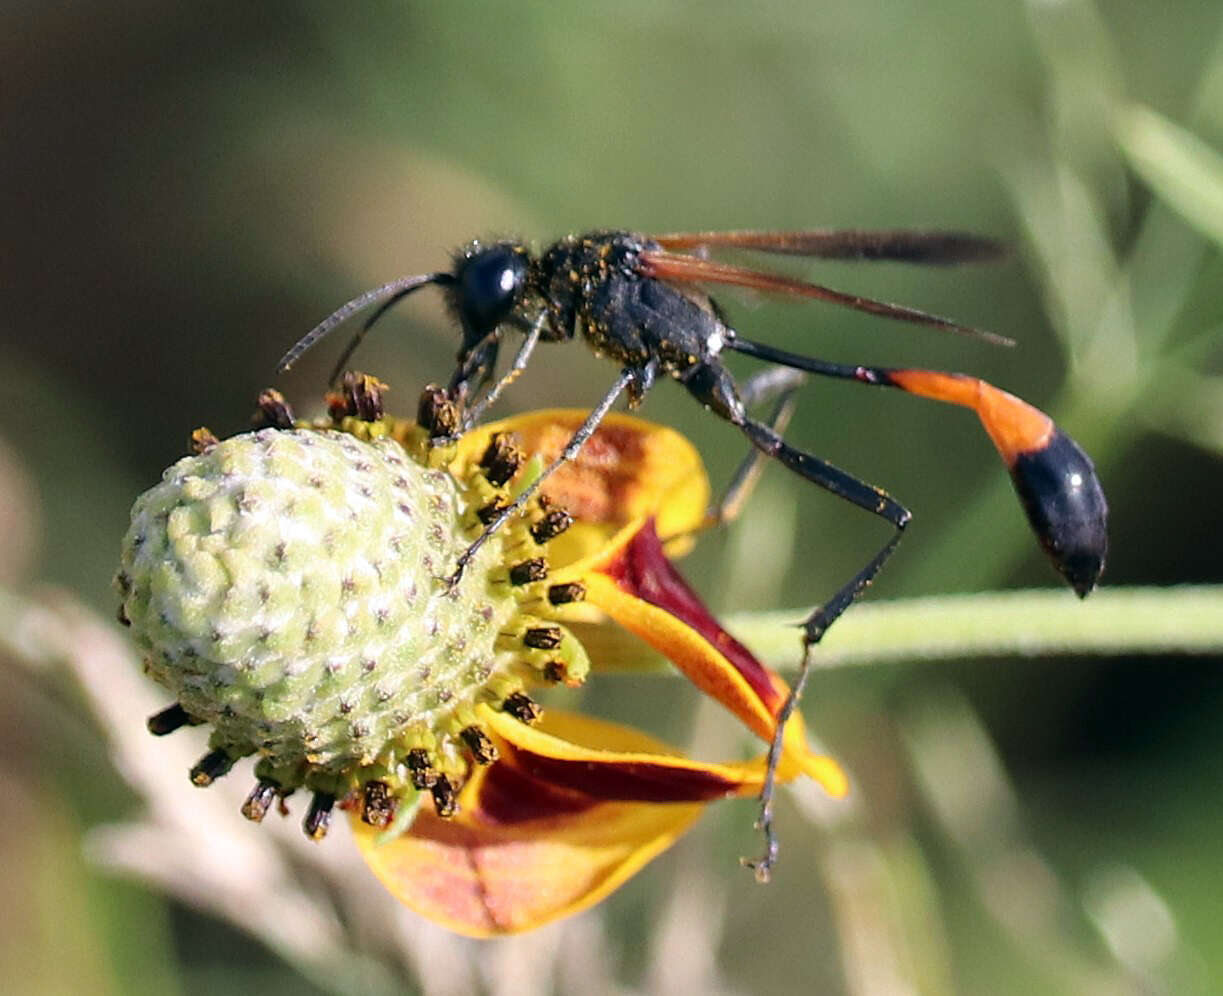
<point>187,187</point>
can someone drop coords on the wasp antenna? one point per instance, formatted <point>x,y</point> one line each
<point>393,291</point>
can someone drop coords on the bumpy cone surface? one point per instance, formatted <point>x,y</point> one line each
<point>287,586</point>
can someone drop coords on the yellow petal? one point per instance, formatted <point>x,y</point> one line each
<point>524,851</point>
<point>633,582</point>
<point>628,469</point>
<point>687,649</point>
<point>484,882</point>
<point>604,760</point>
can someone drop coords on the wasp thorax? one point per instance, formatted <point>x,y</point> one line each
<point>289,589</point>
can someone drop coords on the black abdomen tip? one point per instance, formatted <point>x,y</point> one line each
<point>1065,504</point>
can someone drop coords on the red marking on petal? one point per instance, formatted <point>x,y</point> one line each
<point>603,478</point>
<point>642,569</point>
<point>628,781</point>
<point>508,795</point>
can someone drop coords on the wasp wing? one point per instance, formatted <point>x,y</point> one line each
<point>894,245</point>
<point>681,268</point>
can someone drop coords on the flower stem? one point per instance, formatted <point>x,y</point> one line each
<point>1186,619</point>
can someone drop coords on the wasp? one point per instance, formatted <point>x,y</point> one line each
<point>642,302</point>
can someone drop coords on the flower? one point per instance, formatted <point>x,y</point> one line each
<point>290,587</point>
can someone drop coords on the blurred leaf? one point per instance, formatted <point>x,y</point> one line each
<point>1182,169</point>
<point>1193,412</point>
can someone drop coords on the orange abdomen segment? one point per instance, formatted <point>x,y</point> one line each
<point>1014,426</point>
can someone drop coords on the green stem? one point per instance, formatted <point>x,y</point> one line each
<point>1181,620</point>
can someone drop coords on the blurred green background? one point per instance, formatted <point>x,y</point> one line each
<point>187,187</point>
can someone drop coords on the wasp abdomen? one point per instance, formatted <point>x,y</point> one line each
<point>1059,489</point>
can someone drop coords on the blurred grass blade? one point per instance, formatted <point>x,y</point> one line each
<point>1179,167</point>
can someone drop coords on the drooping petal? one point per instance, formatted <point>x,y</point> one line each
<point>574,807</point>
<point>603,760</point>
<point>627,470</point>
<point>633,581</point>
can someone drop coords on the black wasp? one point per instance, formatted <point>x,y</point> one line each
<point>638,300</point>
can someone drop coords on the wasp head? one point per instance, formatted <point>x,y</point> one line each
<point>489,282</point>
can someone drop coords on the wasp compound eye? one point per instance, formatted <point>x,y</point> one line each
<point>488,286</point>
